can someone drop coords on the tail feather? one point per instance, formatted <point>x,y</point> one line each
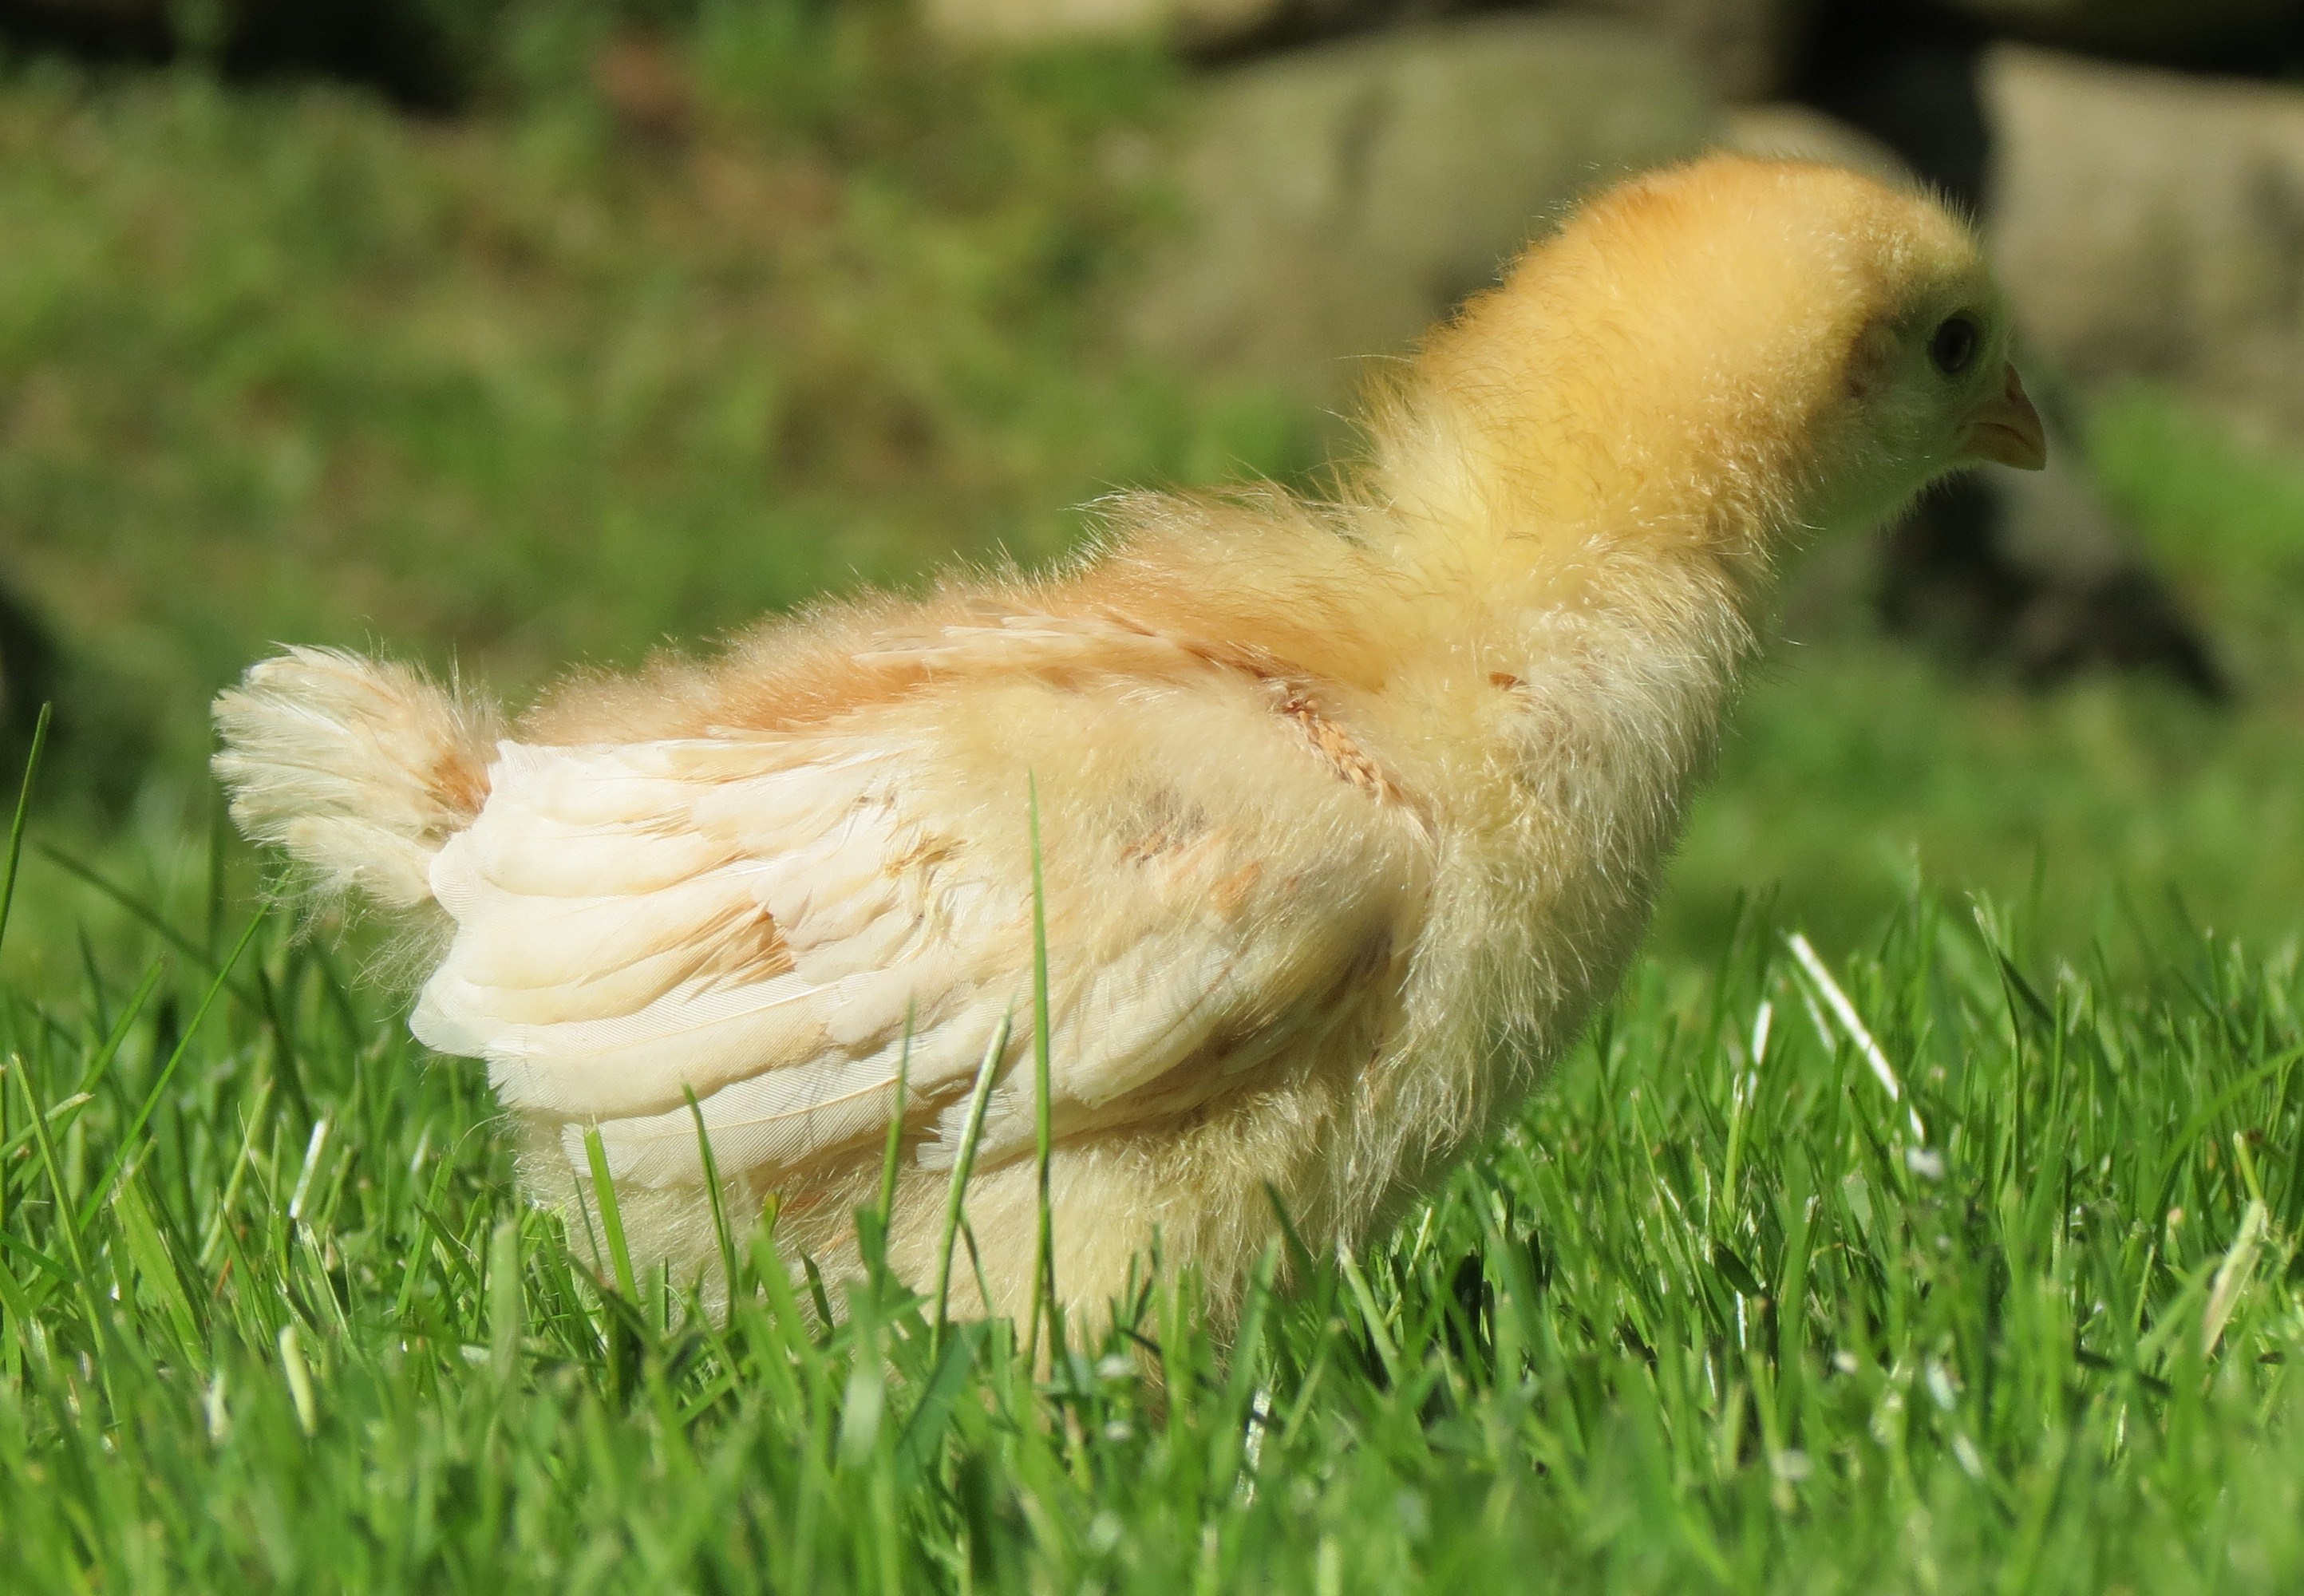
<point>360,769</point>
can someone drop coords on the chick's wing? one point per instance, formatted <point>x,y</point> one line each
<point>765,918</point>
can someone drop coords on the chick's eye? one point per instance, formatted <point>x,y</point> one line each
<point>1952,346</point>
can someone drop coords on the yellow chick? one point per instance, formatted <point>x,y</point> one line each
<point>1350,812</point>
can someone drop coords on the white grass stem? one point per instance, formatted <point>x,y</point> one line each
<point>312,1150</point>
<point>2232,1276</point>
<point>1852,1024</point>
<point>299,1376</point>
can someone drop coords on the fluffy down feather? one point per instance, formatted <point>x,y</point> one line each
<point>1350,812</point>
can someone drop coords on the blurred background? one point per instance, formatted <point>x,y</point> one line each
<point>511,334</point>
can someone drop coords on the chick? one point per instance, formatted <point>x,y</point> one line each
<point>1349,811</point>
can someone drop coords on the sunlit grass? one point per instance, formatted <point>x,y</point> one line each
<point>1718,1312</point>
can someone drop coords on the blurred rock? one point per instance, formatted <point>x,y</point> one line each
<point>129,30</point>
<point>1341,198</point>
<point>1789,132</point>
<point>2238,34</point>
<point>2022,571</point>
<point>1909,81</point>
<point>1188,22</point>
<point>422,54</point>
<point>99,747</point>
<point>2027,573</point>
<point>27,674</point>
<point>1746,48</point>
<point>2152,227</point>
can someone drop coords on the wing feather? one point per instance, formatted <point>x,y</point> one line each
<point>765,919</point>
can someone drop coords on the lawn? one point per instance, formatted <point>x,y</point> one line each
<point>1924,1216</point>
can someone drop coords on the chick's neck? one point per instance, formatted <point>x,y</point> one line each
<point>1556,452</point>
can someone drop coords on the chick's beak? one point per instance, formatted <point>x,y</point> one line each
<point>2007,429</point>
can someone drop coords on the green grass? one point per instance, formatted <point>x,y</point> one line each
<point>1698,1321</point>
<point>541,386</point>
<point>536,387</point>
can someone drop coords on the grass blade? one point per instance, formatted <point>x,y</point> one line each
<point>1858,1032</point>
<point>153,1263</point>
<point>728,1275</point>
<point>313,1148</point>
<point>612,1219</point>
<point>117,1036</point>
<point>893,1151</point>
<point>507,1302</point>
<point>95,1199</point>
<point>1379,1333</point>
<point>23,810</point>
<point>1043,1258</point>
<point>144,913</point>
<point>2231,1277</point>
<point>971,1129</point>
<point>298,1376</point>
<point>47,1143</point>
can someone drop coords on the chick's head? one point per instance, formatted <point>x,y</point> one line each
<point>1928,384</point>
<point>1738,350</point>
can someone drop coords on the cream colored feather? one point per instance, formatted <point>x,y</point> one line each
<point>1350,812</point>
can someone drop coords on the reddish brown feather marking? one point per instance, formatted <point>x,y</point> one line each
<point>1232,891</point>
<point>1334,744</point>
<point>926,854</point>
<point>460,783</point>
<point>1153,844</point>
<point>751,949</point>
<point>1327,737</point>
